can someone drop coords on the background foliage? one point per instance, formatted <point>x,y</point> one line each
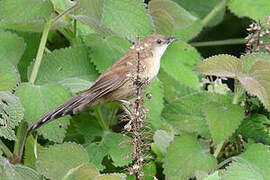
<point>212,126</point>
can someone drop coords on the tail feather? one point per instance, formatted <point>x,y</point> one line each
<point>59,111</point>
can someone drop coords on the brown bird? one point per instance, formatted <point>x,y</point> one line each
<point>116,83</point>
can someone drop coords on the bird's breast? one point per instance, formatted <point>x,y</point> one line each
<point>152,67</point>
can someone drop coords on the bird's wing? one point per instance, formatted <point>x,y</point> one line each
<point>100,88</point>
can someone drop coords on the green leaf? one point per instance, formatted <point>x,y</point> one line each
<point>220,65</point>
<point>12,47</point>
<point>178,60</point>
<point>170,18</point>
<point>8,75</point>
<point>257,82</point>
<point>250,8</point>
<point>223,118</point>
<point>91,13</point>
<point>26,15</point>
<point>83,30</point>
<point>254,127</point>
<point>253,164</point>
<point>135,23</point>
<point>119,148</point>
<point>189,32</point>
<point>249,59</point>
<point>63,64</point>
<point>179,15</point>
<point>58,159</point>
<point>37,100</point>
<point>86,171</point>
<point>186,115</point>
<point>185,157</point>
<point>11,113</point>
<point>162,20</point>
<point>29,154</point>
<point>113,176</point>
<point>149,170</point>
<point>103,17</point>
<point>201,9</point>
<point>162,139</point>
<point>9,171</point>
<point>115,47</point>
<point>96,154</point>
<point>25,10</point>
<point>88,126</point>
<point>172,88</point>
<point>156,103</point>
<point>116,146</point>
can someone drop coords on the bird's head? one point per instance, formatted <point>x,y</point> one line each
<point>158,43</point>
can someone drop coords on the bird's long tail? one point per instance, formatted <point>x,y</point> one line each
<point>68,108</point>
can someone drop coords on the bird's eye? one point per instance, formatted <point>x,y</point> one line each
<point>159,41</point>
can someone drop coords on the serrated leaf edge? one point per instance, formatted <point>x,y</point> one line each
<point>219,55</point>
<point>47,148</point>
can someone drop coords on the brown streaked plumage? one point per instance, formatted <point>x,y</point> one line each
<point>115,84</point>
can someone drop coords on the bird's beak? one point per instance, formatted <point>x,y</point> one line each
<point>171,39</point>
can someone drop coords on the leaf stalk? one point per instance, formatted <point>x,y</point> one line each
<point>40,52</point>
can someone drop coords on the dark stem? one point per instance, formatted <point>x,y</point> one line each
<point>137,124</point>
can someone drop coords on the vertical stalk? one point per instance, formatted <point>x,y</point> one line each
<point>40,50</point>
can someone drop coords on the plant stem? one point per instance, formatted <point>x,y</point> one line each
<point>218,149</point>
<point>219,42</point>
<point>21,136</point>
<point>5,149</point>
<point>214,11</point>
<point>100,119</point>
<point>41,48</point>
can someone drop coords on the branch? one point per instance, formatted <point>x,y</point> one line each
<point>219,42</point>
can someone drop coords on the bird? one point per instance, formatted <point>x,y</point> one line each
<point>117,82</point>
